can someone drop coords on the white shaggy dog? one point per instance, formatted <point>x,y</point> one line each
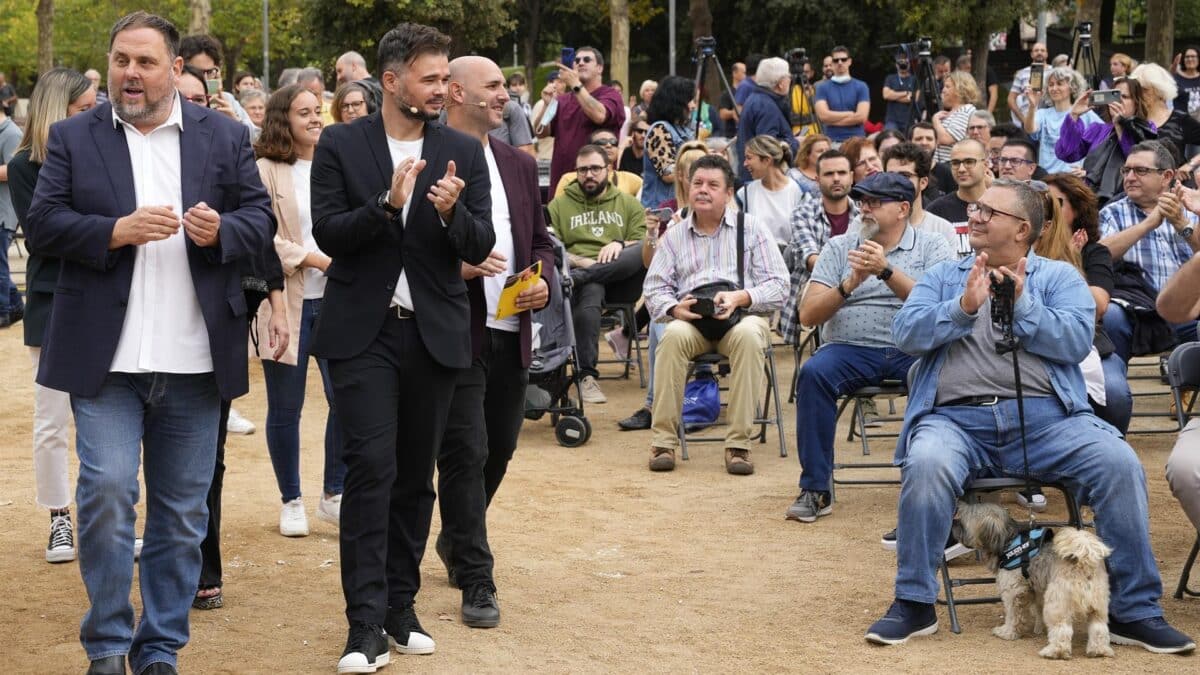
<point>1067,581</point>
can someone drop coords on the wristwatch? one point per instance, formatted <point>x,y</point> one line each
<point>1187,232</point>
<point>576,88</point>
<point>385,202</point>
<point>842,291</point>
<point>885,274</point>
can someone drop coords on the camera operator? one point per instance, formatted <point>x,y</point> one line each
<point>800,98</point>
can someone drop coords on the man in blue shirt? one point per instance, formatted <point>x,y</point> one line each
<point>961,419</point>
<point>843,102</point>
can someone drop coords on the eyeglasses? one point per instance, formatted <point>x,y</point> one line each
<point>585,170</point>
<point>1013,161</point>
<point>872,202</point>
<point>198,99</point>
<point>353,105</point>
<point>605,141</point>
<point>841,59</point>
<point>583,59</point>
<point>1140,171</point>
<point>213,73</point>
<point>640,130</point>
<point>986,212</point>
<point>907,174</point>
<point>969,163</point>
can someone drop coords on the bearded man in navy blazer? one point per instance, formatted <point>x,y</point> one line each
<point>399,201</point>
<point>150,202</point>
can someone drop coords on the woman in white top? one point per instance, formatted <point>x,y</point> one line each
<point>285,150</point>
<point>772,196</point>
<point>959,96</point>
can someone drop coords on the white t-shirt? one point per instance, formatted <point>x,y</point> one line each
<point>314,279</point>
<point>401,150</point>
<point>772,208</point>
<point>502,223</point>
<point>939,225</point>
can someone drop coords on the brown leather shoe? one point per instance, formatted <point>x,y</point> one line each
<point>662,459</point>
<point>737,462</point>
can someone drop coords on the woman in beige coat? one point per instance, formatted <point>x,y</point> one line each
<point>285,149</point>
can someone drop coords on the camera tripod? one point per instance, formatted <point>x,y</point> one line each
<point>706,50</point>
<point>1084,59</point>
<point>925,84</point>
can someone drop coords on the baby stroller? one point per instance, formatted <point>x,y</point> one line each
<point>555,364</point>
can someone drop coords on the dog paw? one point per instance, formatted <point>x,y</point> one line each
<point>1006,633</point>
<point>1055,652</point>
<point>1105,650</point>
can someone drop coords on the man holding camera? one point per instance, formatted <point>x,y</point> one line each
<point>963,418</point>
<point>703,250</point>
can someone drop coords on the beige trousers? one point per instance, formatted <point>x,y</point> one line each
<point>680,343</point>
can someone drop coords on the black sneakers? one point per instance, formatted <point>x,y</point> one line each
<point>636,422</point>
<point>479,606</point>
<point>1153,634</point>
<point>405,633</point>
<point>109,665</point>
<point>366,649</point>
<point>904,620</point>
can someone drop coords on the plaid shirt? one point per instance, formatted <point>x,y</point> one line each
<point>686,259</point>
<point>810,233</point>
<point>1160,253</point>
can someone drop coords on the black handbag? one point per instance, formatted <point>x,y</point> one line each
<point>715,329</point>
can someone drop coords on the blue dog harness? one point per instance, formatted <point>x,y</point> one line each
<point>1024,548</point>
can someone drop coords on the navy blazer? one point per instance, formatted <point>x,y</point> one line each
<point>518,172</point>
<point>352,167</point>
<point>85,185</point>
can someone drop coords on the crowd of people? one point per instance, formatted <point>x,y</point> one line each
<point>376,227</point>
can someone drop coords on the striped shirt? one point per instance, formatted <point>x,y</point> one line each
<point>686,259</point>
<point>1160,253</point>
<point>956,125</point>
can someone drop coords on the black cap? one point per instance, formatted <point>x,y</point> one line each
<point>886,186</point>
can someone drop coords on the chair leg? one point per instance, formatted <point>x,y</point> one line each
<point>682,430</point>
<point>774,385</point>
<point>860,420</point>
<point>948,589</point>
<point>637,349</point>
<point>1187,573</point>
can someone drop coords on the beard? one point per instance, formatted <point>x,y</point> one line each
<point>147,109</point>
<point>597,188</point>
<point>412,111</point>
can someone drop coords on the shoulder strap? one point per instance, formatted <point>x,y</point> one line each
<point>741,247</point>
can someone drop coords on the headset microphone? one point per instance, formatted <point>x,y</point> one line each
<point>482,104</point>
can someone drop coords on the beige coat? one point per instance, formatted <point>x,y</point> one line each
<point>289,244</point>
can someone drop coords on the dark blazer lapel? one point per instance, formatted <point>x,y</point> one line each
<point>114,152</point>
<point>194,143</point>
<point>431,152</point>
<point>378,143</point>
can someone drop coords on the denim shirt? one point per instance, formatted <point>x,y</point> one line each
<point>1054,318</point>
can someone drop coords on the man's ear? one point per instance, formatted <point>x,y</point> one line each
<point>457,92</point>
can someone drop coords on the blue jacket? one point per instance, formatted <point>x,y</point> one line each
<point>1054,318</point>
<point>762,114</point>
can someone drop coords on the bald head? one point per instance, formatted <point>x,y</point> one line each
<point>477,95</point>
<point>351,67</point>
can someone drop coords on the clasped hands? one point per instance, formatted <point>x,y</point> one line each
<point>868,260</point>
<point>444,193</point>
<point>156,223</point>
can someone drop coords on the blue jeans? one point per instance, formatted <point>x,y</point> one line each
<point>10,297</point>
<point>171,422</point>
<point>834,371</point>
<point>1118,399</point>
<point>953,444</point>
<point>285,401</point>
<point>1120,330</point>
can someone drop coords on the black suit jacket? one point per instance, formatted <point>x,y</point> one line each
<point>351,168</point>
<point>85,185</point>
<point>518,172</point>
<point>41,272</point>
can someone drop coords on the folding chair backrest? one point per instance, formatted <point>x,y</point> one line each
<point>1183,372</point>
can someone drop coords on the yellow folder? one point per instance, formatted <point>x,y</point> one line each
<point>514,286</point>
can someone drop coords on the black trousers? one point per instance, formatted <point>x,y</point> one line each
<point>393,401</point>
<point>210,548</point>
<point>619,281</point>
<point>481,436</point>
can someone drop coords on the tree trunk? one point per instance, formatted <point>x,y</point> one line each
<point>1160,31</point>
<point>532,23</point>
<point>618,58</point>
<point>701,19</point>
<point>233,54</point>
<point>45,45</point>
<point>978,39</point>
<point>201,17</point>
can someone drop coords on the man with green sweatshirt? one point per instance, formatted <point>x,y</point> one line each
<point>602,229</point>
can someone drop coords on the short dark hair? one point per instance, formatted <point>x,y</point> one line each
<point>515,79</point>
<point>194,45</point>
<point>840,48</point>
<point>909,152</point>
<point>886,134</point>
<point>275,142</point>
<point>602,130</point>
<point>752,61</point>
<point>590,149</point>
<point>403,44</point>
<point>595,52</point>
<point>832,153</point>
<point>671,99</point>
<point>241,75</point>
<point>712,162</point>
<point>193,71</point>
<point>921,125</point>
<point>1008,130</point>
<point>141,19</point>
<point>1030,149</point>
<point>1163,159</point>
<point>941,60</point>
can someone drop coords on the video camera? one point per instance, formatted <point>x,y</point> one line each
<point>1084,31</point>
<point>706,45</point>
<point>922,48</point>
<point>797,58</point>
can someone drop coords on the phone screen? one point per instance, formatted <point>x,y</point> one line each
<point>568,57</point>
<point>1035,77</point>
<point>212,88</point>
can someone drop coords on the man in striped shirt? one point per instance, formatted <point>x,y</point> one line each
<point>699,250</point>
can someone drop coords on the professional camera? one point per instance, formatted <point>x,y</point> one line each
<point>706,45</point>
<point>1084,31</point>
<point>797,58</point>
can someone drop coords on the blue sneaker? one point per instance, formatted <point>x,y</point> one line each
<point>1153,634</point>
<point>904,619</point>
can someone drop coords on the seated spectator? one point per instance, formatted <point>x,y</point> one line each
<point>886,139</point>
<point>700,250</point>
<point>863,157</point>
<point>771,197</point>
<point>923,135</point>
<point>351,101</point>
<point>968,160</point>
<point>602,228</point>
<point>762,112</point>
<point>629,183</point>
<point>1176,129</point>
<point>1079,213</point>
<point>1103,146</point>
<point>1063,86</point>
<point>668,116</point>
<point>812,225</point>
<point>1178,302</point>
<point>634,152</point>
<point>858,285</point>
<point>959,96</point>
<point>843,102</point>
<point>963,394</point>
<point>1018,160</point>
<point>911,162</point>
<point>1151,228</point>
<point>805,171</point>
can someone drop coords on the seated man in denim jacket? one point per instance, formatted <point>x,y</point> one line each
<point>961,420</point>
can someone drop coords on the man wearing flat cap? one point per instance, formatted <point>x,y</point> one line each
<point>859,282</point>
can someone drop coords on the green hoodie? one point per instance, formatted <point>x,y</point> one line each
<point>585,225</point>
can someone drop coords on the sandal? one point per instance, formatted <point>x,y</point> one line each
<point>208,598</point>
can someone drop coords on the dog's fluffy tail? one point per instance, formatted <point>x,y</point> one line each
<point>1080,547</point>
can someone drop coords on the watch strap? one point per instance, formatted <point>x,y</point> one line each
<point>842,291</point>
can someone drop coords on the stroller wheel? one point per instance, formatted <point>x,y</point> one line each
<point>572,431</point>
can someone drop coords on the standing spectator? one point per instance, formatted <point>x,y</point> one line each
<point>959,96</point>
<point>8,97</point>
<point>728,109</point>
<point>805,171</point>
<point>645,95</point>
<point>632,156</point>
<point>352,67</point>
<point>587,105</point>
<point>668,115</point>
<point>800,104</point>
<point>1187,80</point>
<point>898,92</point>
<point>1018,96</point>
<point>1018,160</point>
<point>242,80</point>
<point>843,102</point>
<point>312,80</point>
<point>548,101</point>
<point>204,53</point>
<point>743,89</point>
<point>941,68</point>
<point>826,68</point>
<point>287,76</point>
<point>516,130</point>
<point>1063,86</point>
<point>991,92</point>
<point>59,94</point>
<point>350,102</point>
<point>762,112</point>
<point>254,102</point>
<point>771,197</point>
<point>1119,66</point>
<point>12,308</point>
<point>518,90</point>
<point>94,76</point>
<point>164,341</point>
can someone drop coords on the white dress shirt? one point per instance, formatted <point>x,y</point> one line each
<point>164,330</point>
<point>502,223</point>
<point>401,150</point>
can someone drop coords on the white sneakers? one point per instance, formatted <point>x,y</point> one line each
<point>292,520</point>
<point>330,510</point>
<point>238,424</point>
<point>589,390</point>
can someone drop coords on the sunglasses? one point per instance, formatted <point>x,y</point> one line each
<point>605,141</point>
<point>841,59</point>
<point>640,130</point>
<point>584,59</point>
